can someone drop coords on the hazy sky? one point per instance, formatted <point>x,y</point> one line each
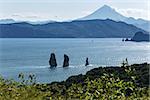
<point>69,9</point>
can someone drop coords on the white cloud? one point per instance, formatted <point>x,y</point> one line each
<point>87,12</point>
<point>25,16</point>
<point>136,13</point>
<point>28,16</point>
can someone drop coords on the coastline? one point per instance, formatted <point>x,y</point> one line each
<point>117,70</point>
<point>113,82</point>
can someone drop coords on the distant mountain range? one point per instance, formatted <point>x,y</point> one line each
<point>75,29</point>
<point>9,21</point>
<point>107,12</point>
<point>104,22</point>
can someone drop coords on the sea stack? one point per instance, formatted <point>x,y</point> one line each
<point>52,61</point>
<point>66,61</point>
<point>126,39</point>
<point>87,62</point>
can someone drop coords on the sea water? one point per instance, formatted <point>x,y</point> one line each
<point>31,55</point>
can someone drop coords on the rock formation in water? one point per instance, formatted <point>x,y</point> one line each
<point>126,39</point>
<point>87,62</point>
<point>66,61</point>
<point>52,61</point>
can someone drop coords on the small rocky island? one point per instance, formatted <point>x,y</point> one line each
<point>140,36</point>
<point>52,60</point>
<point>66,61</point>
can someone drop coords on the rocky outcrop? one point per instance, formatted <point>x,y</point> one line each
<point>126,39</point>
<point>140,36</point>
<point>140,70</point>
<point>66,61</point>
<point>52,61</point>
<point>87,62</point>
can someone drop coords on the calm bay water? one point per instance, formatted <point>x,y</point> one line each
<point>32,56</point>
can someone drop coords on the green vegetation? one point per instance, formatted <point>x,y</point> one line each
<point>108,83</point>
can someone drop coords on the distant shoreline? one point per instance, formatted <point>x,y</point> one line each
<point>62,37</point>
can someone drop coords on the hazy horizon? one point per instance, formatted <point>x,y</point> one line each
<point>33,10</point>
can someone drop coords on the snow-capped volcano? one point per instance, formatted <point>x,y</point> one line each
<point>106,12</point>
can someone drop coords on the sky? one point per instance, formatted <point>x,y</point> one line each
<point>59,10</point>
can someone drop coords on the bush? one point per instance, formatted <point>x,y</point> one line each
<point>112,83</point>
